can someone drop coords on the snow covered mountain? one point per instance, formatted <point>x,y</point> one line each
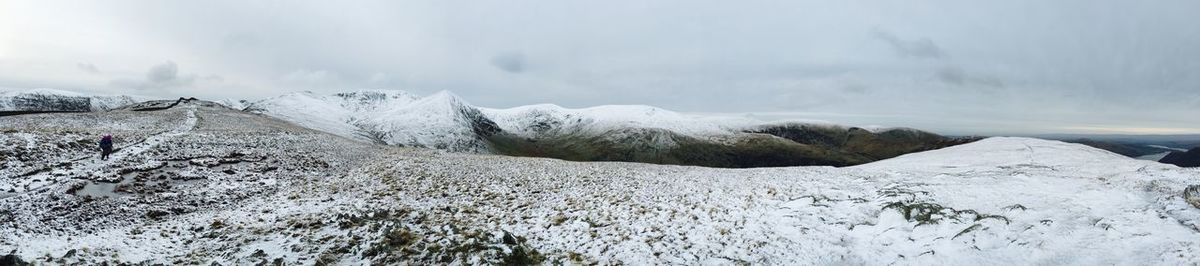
<point>631,133</point>
<point>604,133</point>
<point>441,121</point>
<point>445,121</point>
<point>202,184</point>
<point>549,119</point>
<point>234,104</point>
<point>49,100</point>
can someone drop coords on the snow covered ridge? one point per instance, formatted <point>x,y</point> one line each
<point>441,121</point>
<point>604,133</point>
<point>631,133</point>
<point>208,185</point>
<point>348,113</point>
<point>49,100</point>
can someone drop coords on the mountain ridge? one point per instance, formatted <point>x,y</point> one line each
<point>632,133</point>
<point>51,100</point>
<point>636,133</point>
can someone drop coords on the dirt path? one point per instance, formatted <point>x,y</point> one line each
<point>90,164</point>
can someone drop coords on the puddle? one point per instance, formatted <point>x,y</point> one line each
<point>99,189</point>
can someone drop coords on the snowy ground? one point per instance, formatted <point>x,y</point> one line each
<point>326,199</point>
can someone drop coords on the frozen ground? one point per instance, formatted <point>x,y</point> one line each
<point>210,184</point>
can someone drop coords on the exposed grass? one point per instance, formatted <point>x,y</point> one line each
<point>967,230</point>
<point>925,213</point>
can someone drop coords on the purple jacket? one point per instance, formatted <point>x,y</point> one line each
<point>106,142</point>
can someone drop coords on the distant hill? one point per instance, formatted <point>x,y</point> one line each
<point>1190,158</point>
<point>1135,146</point>
<point>48,100</point>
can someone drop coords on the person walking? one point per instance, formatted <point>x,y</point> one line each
<point>106,146</point>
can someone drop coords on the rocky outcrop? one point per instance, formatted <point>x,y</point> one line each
<point>1192,195</point>
<point>159,105</point>
<point>12,259</point>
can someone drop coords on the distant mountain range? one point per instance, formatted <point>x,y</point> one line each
<point>1170,149</point>
<point>604,133</point>
<point>631,133</point>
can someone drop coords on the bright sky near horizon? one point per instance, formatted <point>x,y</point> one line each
<point>958,67</point>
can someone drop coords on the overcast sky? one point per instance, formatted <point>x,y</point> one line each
<point>958,67</point>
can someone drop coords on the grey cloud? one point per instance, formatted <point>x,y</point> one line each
<point>855,88</point>
<point>959,77</point>
<point>163,73</point>
<point>161,76</point>
<point>509,62</point>
<point>919,48</point>
<point>88,67</point>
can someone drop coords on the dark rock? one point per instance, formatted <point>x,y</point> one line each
<point>155,214</point>
<point>12,260</point>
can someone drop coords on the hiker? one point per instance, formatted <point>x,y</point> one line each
<point>105,146</point>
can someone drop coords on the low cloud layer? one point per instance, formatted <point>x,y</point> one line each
<point>509,62</point>
<point>946,66</point>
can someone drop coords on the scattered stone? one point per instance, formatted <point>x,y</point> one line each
<point>1192,195</point>
<point>155,214</point>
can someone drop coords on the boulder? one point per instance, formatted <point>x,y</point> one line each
<point>1192,195</point>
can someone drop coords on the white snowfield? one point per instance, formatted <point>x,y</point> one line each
<point>999,201</point>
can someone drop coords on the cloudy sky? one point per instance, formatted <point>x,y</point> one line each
<point>959,67</point>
